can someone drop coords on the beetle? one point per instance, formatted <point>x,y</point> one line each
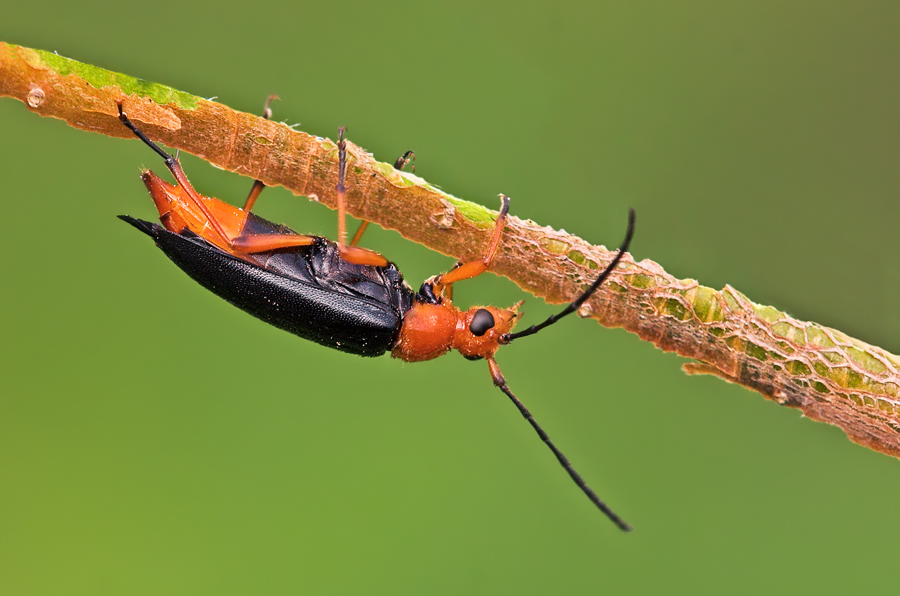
<point>338,294</point>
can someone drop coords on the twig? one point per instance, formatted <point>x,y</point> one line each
<point>828,375</point>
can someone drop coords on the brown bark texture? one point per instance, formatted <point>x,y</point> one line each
<point>829,376</point>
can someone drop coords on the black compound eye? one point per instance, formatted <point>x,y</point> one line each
<point>481,322</point>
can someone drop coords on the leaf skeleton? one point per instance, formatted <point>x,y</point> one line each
<point>338,294</point>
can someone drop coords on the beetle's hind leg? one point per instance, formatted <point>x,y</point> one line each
<point>175,167</point>
<point>243,244</point>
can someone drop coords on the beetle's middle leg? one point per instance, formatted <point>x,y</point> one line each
<point>474,268</point>
<point>350,253</point>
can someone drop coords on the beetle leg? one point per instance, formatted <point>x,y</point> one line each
<point>257,188</point>
<point>407,158</point>
<point>350,253</point>
<point>254,243</point>
<point>402,161</point>
<point>359,232</point>
<point>448,288</point>
<point>475,268</point>
<point>341,190</point>
<point>258,185</point>
<point>175,167</point>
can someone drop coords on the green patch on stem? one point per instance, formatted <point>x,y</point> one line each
<point>479,215</point>
<point>854,380</point>
<point>755,351</point>
<point>100,77</point>
<point>866,360</point>
<point>672,307</point>
<point>611,285</point>
<point>731,300</point>
<point>785,347</point>
<point>747,347</point>
<point>576,257</point>
<point>768,314</point>
<point>820,387</point>
<point>795,367</point>
<point>717,331</point>
<point>735,343</point>
<point>793,334</point>
<point>821,368</point>
<point>707,306</point>
<point>394,176</point>
<point>833,357</point>
<point>641,281</point>
<point>818,338</point>
<point>554,246</point>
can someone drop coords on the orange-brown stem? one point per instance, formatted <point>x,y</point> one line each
<point>829,376</point>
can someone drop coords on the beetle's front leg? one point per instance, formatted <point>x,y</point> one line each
<point>474,268</point>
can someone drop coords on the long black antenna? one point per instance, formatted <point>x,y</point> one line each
<point>500,382</point>
<point>508,337</point>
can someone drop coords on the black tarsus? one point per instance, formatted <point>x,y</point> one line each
<point>504,206</point>
<point>563,460</point>
<point>267,111</point>
<point>404,160</point>
<point>170,159</point>
<point>342,159</point>
<point>576,304</point>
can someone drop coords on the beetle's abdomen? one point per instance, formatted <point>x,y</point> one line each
<point>349,310</point>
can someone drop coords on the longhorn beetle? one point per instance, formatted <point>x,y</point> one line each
<point>334,293</point>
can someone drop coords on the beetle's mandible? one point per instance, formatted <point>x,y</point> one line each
<point>336,293</point>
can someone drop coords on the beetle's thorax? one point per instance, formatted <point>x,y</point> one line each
<point>427,332</point>
<point>431,330</point>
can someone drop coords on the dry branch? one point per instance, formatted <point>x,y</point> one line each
<point>828,375</point>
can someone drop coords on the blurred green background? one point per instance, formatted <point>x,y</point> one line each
<point>155,440</point>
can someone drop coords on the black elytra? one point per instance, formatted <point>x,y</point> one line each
<point>309,291</point>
